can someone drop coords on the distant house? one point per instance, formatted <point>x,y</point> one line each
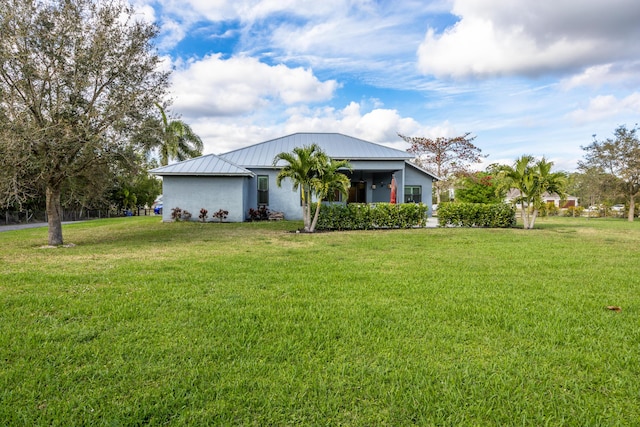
<point>547,197</point>
<point>246,178</point>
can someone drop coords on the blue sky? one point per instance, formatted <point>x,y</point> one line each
<point>524,77</point>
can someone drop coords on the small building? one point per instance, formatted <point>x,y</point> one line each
<point>246,178</point>
<point>554,198</point>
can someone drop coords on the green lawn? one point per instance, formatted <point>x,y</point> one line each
<point>145,323</point>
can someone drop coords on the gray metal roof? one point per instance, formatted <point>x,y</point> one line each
<point>203,165</point>
<point>335,145</point>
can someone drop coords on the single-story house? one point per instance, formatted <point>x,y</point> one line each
<point>246,178</point>
<point>547,197</point>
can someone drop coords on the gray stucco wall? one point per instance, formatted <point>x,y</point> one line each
<point>413,176</point>
<point>212,193</point>
<point>282,199</point>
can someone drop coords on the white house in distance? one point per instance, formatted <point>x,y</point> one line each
<point>559,202</point>
<point>246,178</point>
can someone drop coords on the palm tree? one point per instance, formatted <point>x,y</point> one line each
<point>174,139</point>
<point>301,167</point>
<point>330,181</point>
<point>311,170</point>
<point>532,179</point>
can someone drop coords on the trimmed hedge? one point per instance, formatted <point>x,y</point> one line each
<point>456,214</point>
<point>359,216</point>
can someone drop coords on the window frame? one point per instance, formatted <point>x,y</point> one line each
<point>262,193</point>
<point>410,194</point>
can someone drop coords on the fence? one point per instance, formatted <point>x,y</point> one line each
<point>31,216</point>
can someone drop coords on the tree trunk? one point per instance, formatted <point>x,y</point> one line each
<point>533,218</point>
<point>312,229</point>
<point>54,216</point>
<point>632,208</point>
<point>306,216</point>
<point>306,210</point>
<point>524,214</point>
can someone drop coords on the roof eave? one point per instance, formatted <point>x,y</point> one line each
<point>201,174</point>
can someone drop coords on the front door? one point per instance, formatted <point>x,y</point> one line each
<point>358,192</point>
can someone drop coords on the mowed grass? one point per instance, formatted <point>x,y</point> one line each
<point>145,323</point>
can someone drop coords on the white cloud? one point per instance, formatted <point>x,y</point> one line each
<point>607,74</point>
<point>225,134</point>
<point>369,37</point>
<point>213,10</point>
<point>215,86</point>
<point>592,76</point>
<point>172,33</point>
<point>496,37</point>
<point>146,12</point>
<point>379,125</point>
<point>247,11</point>
<point>604,106</point>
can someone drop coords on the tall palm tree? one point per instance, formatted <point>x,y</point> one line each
<point>311,170</point>
<point>532,179</point>
<point>520,177</point>
<point>174,139</point>
<point>328,182</point>
<point>301,166</point>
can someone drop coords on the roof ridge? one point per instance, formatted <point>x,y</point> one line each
<point>262,143</point>
<point>184,161</point>
<point>288,136</point>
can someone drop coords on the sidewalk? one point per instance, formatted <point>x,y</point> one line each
<point>431,222</point>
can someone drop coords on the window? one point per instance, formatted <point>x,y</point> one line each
<point>357,192</point>
<point>413,194</point>
<point>335,197</point>
<point>263,190</point>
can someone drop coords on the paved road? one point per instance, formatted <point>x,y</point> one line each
<point>29,225</point>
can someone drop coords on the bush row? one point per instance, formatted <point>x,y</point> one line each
<point>358,216</point>
<point>456,214</point>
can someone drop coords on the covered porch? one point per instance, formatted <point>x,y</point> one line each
<point>374,186</point>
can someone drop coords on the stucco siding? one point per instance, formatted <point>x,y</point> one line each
<point>212,193</point>
<point>282,199</point>
<point>377,165</point>
<point>413,176</point>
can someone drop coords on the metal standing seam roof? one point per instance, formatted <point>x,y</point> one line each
<point>335,145</point>
<point>209,164</point>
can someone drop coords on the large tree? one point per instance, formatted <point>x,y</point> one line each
<point>444,157</point>
<point>479,187</point>
<point>76,79</point>
<point>593,186</point>
<point>620,158</point>
<point>172,138</point>
<point>532,178</point>
<point>311,170</point>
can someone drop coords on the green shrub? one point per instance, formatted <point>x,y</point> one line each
<point>358,216</point>
<point>551,209</point>
<point>494,215</point>
<point>574,211</point>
